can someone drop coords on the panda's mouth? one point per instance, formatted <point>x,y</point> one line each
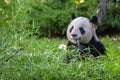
<point>77,41</point>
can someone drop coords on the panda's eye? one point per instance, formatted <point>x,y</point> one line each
<point>82,30</point>
<point>71,29</point>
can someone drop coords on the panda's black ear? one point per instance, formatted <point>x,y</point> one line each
<point>73,16</point>
<point>94,20</point>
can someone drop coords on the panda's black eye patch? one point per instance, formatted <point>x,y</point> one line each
<point>71,29</point>
<point>82,30</point>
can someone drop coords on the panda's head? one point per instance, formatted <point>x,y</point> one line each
<point>80,30</point>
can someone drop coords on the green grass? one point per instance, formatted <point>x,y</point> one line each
<point>24,58</point>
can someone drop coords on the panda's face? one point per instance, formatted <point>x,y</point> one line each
<point>80,30</point>
<point>76,33</point>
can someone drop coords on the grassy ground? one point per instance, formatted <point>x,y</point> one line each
<point>23,58</point>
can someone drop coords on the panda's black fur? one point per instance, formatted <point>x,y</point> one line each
<point>96,47</point>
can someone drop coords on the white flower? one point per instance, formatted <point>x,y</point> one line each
<point>62,46</point>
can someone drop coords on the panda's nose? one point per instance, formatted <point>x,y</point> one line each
<point>74,35</point>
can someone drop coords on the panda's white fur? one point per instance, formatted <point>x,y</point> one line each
<point>86,25</point>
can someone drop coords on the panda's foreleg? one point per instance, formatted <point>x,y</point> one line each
<point>75,48</point>
<point>98,49</point>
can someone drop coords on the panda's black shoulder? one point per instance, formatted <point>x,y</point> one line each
<point>97,47</point>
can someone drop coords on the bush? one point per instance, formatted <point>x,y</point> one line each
<point>112,18</point>
<point>51,18</point>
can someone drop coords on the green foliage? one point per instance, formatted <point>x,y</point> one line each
<point>51,18</point>
<point>23,57</point>
<point>48,20</point>
<point>112,18</point>
<point>40,59</point>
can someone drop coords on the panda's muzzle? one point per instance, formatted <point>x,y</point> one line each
<point>74,35</point>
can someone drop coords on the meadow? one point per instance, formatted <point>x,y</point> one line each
<point>25,56</point>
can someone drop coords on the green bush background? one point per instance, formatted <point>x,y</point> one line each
<point>51,17</point>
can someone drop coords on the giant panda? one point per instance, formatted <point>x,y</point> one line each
<point>81,34</point>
